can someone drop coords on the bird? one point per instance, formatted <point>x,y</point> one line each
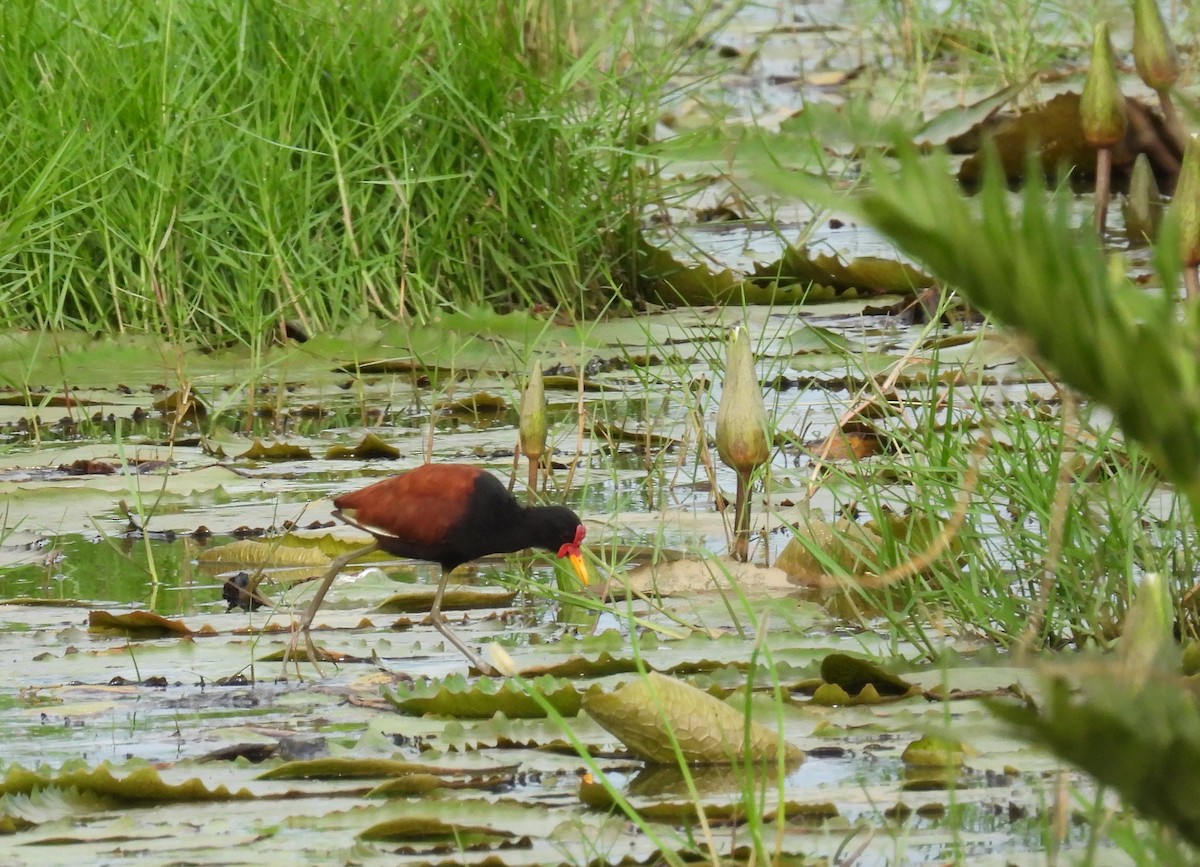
<point>448,514</point>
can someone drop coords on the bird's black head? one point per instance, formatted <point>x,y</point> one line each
<point>561,531</point>
<point>558,526</point>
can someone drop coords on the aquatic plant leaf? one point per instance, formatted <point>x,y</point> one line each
<point>617,434</point>
<point>866,274</point>
<point>1055,132</point>
<point>275,452</point>
<point>420,783</point>
<point>845,546</point>
<point>485,697</point>
<point>853,674</point>
<point>689,575</point>
<point>428,828</point>
<point>958,121</point>
<point>136,624</point>
<point>1143,742</point>
<point>644,713</point>
<point>473,404</point>
<point>370,448</point>
<point>932,751</point>
<point>139,785</point>
<point>847,445</point>
<point>181,405</point>
<point>674,282</point>
<point>345,768</point>
<point>814,338</point>
<point>580,666</point>
<point>250,552</point>
<point>420,598</point>
<point>1120,345</point>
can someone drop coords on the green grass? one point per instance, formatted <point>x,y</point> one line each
<point>193,168</point>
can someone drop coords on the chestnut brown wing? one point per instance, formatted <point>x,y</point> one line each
<point>413,514</point>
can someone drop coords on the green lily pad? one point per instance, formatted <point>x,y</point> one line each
<point>139,785</point>
<point>644,713</point>
<point>854,674</point>
<point>485,697</point>
<point>370,448</point>
<point>275,452</point>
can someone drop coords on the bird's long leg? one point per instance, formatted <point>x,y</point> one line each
<point>439,623</point>
<point>314,606</point>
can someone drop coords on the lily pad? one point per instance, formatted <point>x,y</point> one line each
<point>854,675</point>
<point>645,713</point>
<point>485,697</point>
<point>275,452</point>
<point>370,448</point>
<point>141,784</point>
<point>136,624</point>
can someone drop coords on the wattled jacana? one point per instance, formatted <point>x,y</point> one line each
<point>449,514</point>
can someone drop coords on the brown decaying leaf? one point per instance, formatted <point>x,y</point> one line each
<point>1055,130</point>
<point>136,624</point>
<point>418,599</point>
<point>645,712</point>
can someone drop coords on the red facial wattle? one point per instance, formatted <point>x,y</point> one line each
<point>572,552</point>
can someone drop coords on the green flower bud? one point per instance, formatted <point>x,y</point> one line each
<point>1153,50</point>
<point>1102,106</point>
<point>1143,205</point>
<point>1186,204</point>
<point>742,416</point>
<point>532,422</point>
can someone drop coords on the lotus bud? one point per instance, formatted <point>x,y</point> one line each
<point>1153,50</point>
<point>1143,204</point>
<point>1186,204</point>
<point>742,416</point>
<point>742,431</point>
<point>532,423</point>
<point>1102,106</point>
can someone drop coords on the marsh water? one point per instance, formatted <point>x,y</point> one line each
<point>131,467</point>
